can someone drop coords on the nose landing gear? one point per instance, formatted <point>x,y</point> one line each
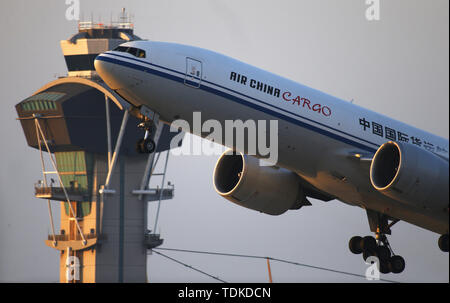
<point>147,145</point>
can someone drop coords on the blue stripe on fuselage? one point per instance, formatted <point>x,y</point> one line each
<point>240,100</point>
<point>239,93</point>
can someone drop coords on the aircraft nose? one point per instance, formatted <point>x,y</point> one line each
<point>106,70</point>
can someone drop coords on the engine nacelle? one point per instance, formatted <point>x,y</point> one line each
<point>410,174</point>
<point>269,189</point>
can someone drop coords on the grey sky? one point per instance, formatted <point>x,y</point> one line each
<point>397,66</point>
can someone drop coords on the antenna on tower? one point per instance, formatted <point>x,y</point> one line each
<point>125,20</point>
<point>123,16</point>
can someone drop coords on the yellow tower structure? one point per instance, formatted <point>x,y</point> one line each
<point>86,135</point>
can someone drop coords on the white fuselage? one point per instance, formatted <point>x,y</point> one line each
<point>318,133</point>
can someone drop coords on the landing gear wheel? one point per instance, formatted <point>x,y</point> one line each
<point>145,146</point>
<point>369,243</point>
<point>383,253</point>
<point>355,245</point>
<point>396,264</point>
<point>368,253</point>
<point>149,146</point>
<point>384,267</point>
<point>443,243</point>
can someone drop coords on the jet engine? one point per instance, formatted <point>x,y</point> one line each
<point>412,175</point>
<point>242,180</point>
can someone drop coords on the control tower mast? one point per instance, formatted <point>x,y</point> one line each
<point>92,170</point>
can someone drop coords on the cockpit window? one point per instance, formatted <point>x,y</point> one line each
<point>121,49</point>
<point>132,50</point>
<point>137,52</point>
<point>140,53</point>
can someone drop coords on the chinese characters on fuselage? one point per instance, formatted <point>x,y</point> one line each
<point>395,135</point>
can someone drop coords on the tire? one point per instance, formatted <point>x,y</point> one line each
<point>149,146</point>
<point>384,267</point>
<point>355,245</point>
<point>368,243</point>
<point>145,146</point>
<point>383,253</point>
<point>397,264</point>
<point>368,253</point>
<point>443,243</point>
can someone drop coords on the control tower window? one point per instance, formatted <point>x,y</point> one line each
<point>137,52</point>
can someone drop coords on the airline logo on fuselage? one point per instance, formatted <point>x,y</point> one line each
<point>287,96</point>
<point>265,88</point>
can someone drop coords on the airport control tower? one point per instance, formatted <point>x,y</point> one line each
<point>90,167</point>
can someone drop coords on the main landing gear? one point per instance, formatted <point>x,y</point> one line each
<point>379,246</point>
<point>370,246</point>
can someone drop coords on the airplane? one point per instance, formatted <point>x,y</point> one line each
<point>328,148</point>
